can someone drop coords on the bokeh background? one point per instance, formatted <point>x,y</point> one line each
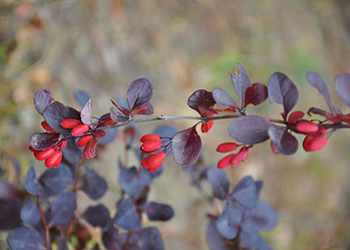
<point>101,46</point>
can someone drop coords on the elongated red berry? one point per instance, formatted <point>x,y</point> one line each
<point>70,123</point>
<point>156,160</point>
<point>50,162</point>
<point>47,127</point>
<point>207,126</point>
<point>80,129</point>
<point>226,161</point>
<point>58,161</point>
<point>226,147</point>
<point>149,137</point>
<point>32,149</point>
<point>307,127</point>
<point>151,146</point>
<point>84,140</point>
<point>314,143</point>
<point>144,163</point>
<point>240,156</point>
<point>43,155</point>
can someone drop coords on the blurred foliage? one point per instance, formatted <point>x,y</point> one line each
<point>101,46</point>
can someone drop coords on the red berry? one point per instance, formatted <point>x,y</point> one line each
<point>58,161</point>
<point>43,155</point>
<point>314,143</point>
<point>47,127</point>
<point>70,123</point>
<point>226,147</point>
<point>32,149</point>
<point>149,137</point>
<point>99,134</point>
<point>307,127</point>
<point>226,161</point>
<point>80,129</point>
<point>156,160</point>
<point>241,156</point>
<point>207,126</point>
<point>52,161</point>
<point>151,146</point>
<point>84,140</point>
<point>144,163</point>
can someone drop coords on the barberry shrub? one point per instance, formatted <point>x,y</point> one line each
<point>44,215</point>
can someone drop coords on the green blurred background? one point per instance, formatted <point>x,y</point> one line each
<point>100,46</point>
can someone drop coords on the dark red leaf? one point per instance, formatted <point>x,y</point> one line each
<point>284,142</point>
<point>201,98</point>
<point>241,82</point>
<point>86,113</point>
<point>295,116</point>
<point>117,116</point>
<point>316,81</point>
<point>342,85</point>
<point>56,112</point>
<point>42,141</point>
<point>42,99</point>
<point>316,111</point>
<point>255,94</point>
<point>90,149</point>
<point>283,91</point>
<point>223,99</point>
<point>145,109</point>
<point>249,129</point>
<point>139,93</point>
<point>186,146</point>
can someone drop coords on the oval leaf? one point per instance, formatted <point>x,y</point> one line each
<point>283,91</point>
<point>56,179</point>
<point>42,141</point>
<point>30,213</point>
<point>62,209</point>
<point>317,82</point>
<point>284,142</point>
<point>25,238</point>
<point>186,146</point>
<point>225,230</point>
<point>94,185</point>
<point>218,182</point>
<point>31,184</point>
<point>158,212</point>
<point>241,82</point>
<point>249,129</point>
<point>56,112</point>
<point>255,94</point>
<point>97,216</point>
<point>140,92</point>
<point>245,192</point>
<point>342,85</point>
<point>42,99</point>
<point>151,239</point>
<point>223,99</point>
<point>201,98</point>
<point>127,216</point>
<point>215,240</point>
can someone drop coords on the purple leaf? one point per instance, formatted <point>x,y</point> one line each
<point>8,190</point>
<point>111,239</point>
<point>56,112</point>
<point>86,113</point>
<point>151,239</point>
<point>241,82</point>
<point>25,238</point>
<point>42,99</point>
<point>139,93</point>
<point>265,216</point>
<point>145,109</point>
<point>81,97</point>
<point>245,192</point>
<point>218,182</point>
<point>316,81</point>
<point>127,217</point>
<point>283,91</point>
<point>94,185</point>
<point>42,141</point>
<point>201,98</point>
<point>235,213</point>
<point>284,142</point>
<point>186,146</point>
<point>31,183</point>
<point>250,238</point>
<point>225,230</point>
<point>30,213</point>
<point>133,182</point>
<point>158,212</point>
<point>215,240</point>
<point>109,137</point>
<point>62,208</point>
<point>223,99</point>
<point>117,116</point>
<point>55,179</point>
<point>255,94</point>
<point>342,85</point>
<point>98,216</point>
<point>10,211</point>
<point>249,129</point>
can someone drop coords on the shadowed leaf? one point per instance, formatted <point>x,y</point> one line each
<point>98,216</point>
<point>127,216</point>
<point>151,239</point>
<point>316,81</point>
<point>224,229</point>
<point>81,97</point>
<point>42,141</point>
<point>31,183</point>
<point>25,238</point>
<point>186,146</point>
<point>94,185</point>
<point>342,85</point>
<point>284,142</point>
<point>249,129</point>
<point>158,212</point>
<point>241,82</point>
<point>145,109</point>
<point>223,99</point>
<point>42,99</point>
<point>265,216</point>
<point>62,209</point>
<point>255,94</point>
<point>218,182</point>
<point>30,213</point>
<point>55,180</point>
<point>215,240</point>
<point>201,98</point>
<point>140,92</point>
<point>117,116</point>
<point>245,192</point>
